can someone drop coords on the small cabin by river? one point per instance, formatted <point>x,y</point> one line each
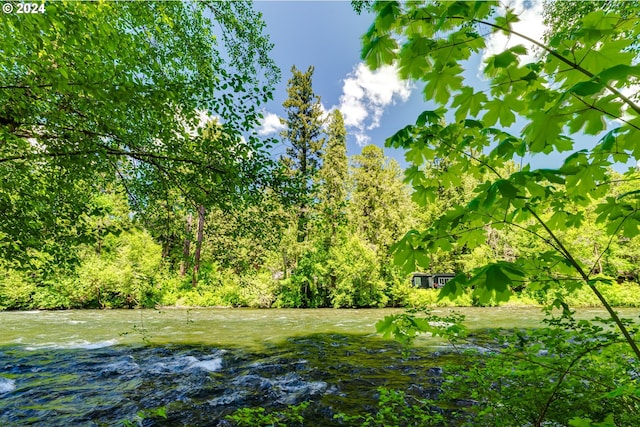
<point>426,281</point>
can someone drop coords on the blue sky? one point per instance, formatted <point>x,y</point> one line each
<point>326,34</point>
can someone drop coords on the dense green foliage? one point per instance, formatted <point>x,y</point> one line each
<point>563,226</point>
<point>151,205</point>
<point>94,93</point>
<point>573,87</point>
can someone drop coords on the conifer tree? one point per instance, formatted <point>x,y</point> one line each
<point>334,172</point>
<point>380,206</point>
<point>304,133</point>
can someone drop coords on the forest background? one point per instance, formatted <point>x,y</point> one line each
<point>155,189</point>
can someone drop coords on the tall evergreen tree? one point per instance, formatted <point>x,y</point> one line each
<point>380,207</point>
<point>304,133</point>
<point>333,173</point>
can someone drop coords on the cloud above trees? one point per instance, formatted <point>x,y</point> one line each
<point>270,124</point>
<point>365,96</point>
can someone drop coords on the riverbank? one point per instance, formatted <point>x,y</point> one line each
<point>99,290</point>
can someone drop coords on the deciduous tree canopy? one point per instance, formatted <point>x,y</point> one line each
<point>92,92</point>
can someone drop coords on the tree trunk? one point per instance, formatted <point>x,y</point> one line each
<point>196,258</point>
<point>186,249</point>
<point>598,258</point>
<point>302,223</point>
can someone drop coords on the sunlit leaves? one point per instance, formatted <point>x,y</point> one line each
<point>490,283</point>
<point>380,50</point>
<point>387,13</point>
<point>468,102</point>
<point>504,59</point>
<point>545,138</point>
<point>619,73</point>
<point>596,59</point>
<point>620,216</point>
<point>591,121</point>
<point>414,58</point>
<point>408,253</point>
<point>505,21</point>
<point>121,91</point>
<point>442,82</point>
<point>405,327</point>
<point>575,86</point>
<point>430,117</point>
<point>587,88</point>
<point>498,110</point>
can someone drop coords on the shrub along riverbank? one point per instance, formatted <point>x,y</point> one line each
<point>122,284</point>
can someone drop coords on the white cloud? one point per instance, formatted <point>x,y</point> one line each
<point>366,94</point>
<point>270,124</point>
<point>531,25</point>
<point>325,113</point>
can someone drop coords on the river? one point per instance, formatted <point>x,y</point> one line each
<point>99,368</point>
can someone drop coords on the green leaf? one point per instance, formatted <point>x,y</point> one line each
<point>504,59</point>
<point>468,102</point>
<point>497,109</point>
<point>414,58</point>
<point>620,72</point>
<point>505,21</point>
<point>587,88</point>
<point>597,59</point>
<point>433,117</point>
<point>442,81</point>
<point>607,142</point>
<point>379,50</point>
<point>542,133</point>
<point>385,326</point>
<point>507,189</point>
<point>454,288</point>
<point>388,11</point>
<point>591,120</point>
<point>408,253</point>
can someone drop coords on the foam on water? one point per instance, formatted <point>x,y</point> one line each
<point>185,363</point>
<point>211,365</point>
<point>123,366</point>
<point>6,385</point>
<point>86,345</point>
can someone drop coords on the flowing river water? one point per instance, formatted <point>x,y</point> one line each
<point>99,368</point>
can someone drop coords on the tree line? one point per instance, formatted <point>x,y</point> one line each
<point>322,230</point>
<point>132,179</point>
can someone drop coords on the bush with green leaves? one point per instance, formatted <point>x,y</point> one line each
<point>354,266</point>
<point>347,275</point>
<point>307,285</point>
<point>259,417</point>
<point>395,408</point>
<point>565,373</point>
<point>548,376</point>
<point>15,290</point>
<point>122,276</point>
